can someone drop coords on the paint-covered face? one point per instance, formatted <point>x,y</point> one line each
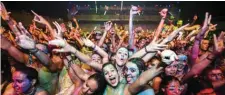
<point>111,75</point>
<point>215,75</point>
<point>131,72</point>
<point>204,45</point>
<point>89,87</point>
<point>173,88</point>
<point>21,83</point>
<point>96,58</point>
<point>121,56</point>
<point>207,91</point>
<point>171,69</point>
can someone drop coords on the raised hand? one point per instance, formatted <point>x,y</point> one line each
<point>195,17</point>
<point>59,30</point>
<point>4,14</point>
<point>88,43</point>
<point>65,47</point>
<point>134,10</point>
<point>108,26</point>
<point>207,21</point>
<point>218,43</point>
<point>23,38</point>
<point>212,27</point>
<point>163,12</point>
<point>39,18</point>
<point>155,46</point>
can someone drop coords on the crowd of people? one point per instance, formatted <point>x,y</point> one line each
<point>62,60</point>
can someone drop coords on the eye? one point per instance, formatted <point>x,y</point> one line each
<point>133,70</point>
<point>105,73</point>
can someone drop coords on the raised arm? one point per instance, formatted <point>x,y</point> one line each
<point>75,20</point>
<point>163,14</point>
<point>101,52</point>
<point>134,10</point>
<point>198,68</point>
<point>143,79</point>
<point>42,20</point>
<point>198,38</point>
<point>108,26</point>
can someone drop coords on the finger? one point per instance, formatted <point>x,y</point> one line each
<point>221,36</point>
<point>215,41</point>
<point>16,30</point>
<point>21,28</point>
<point>58,50</point>
<point>34,13</point>
<point>209,19</point>
<point>159,40</point>
<point>160,69</point>
<point>206,18</point>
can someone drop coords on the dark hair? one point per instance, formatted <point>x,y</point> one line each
<point>167,80</point>
<point>139,62</point>
<point>108,63</point>
<point>30,72</point>
<point>100,80</point>
<point>195,85</point>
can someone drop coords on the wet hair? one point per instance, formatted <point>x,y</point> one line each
<point>30,72</point>
<point>139,62</point>
<point>195,85</point>
<point>100,80</point>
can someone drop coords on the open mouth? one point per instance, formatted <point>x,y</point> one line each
<point>129,79</point>
<point>113,80</point>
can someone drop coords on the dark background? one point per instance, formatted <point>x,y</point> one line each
<point>58,8</point>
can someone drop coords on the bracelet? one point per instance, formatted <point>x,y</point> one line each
<point>33,51</point>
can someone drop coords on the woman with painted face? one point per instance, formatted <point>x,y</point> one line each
<point>25,81</point>
<point>137,84</point>
<point>133,69</point>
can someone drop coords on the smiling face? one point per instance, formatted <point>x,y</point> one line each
<point>171,69</point>
<point>89,87</point>
<point>121,56</point>
<point>21,83</point>
<point>131,72</point>
<point>96,58</point>
<point>111,75</point>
